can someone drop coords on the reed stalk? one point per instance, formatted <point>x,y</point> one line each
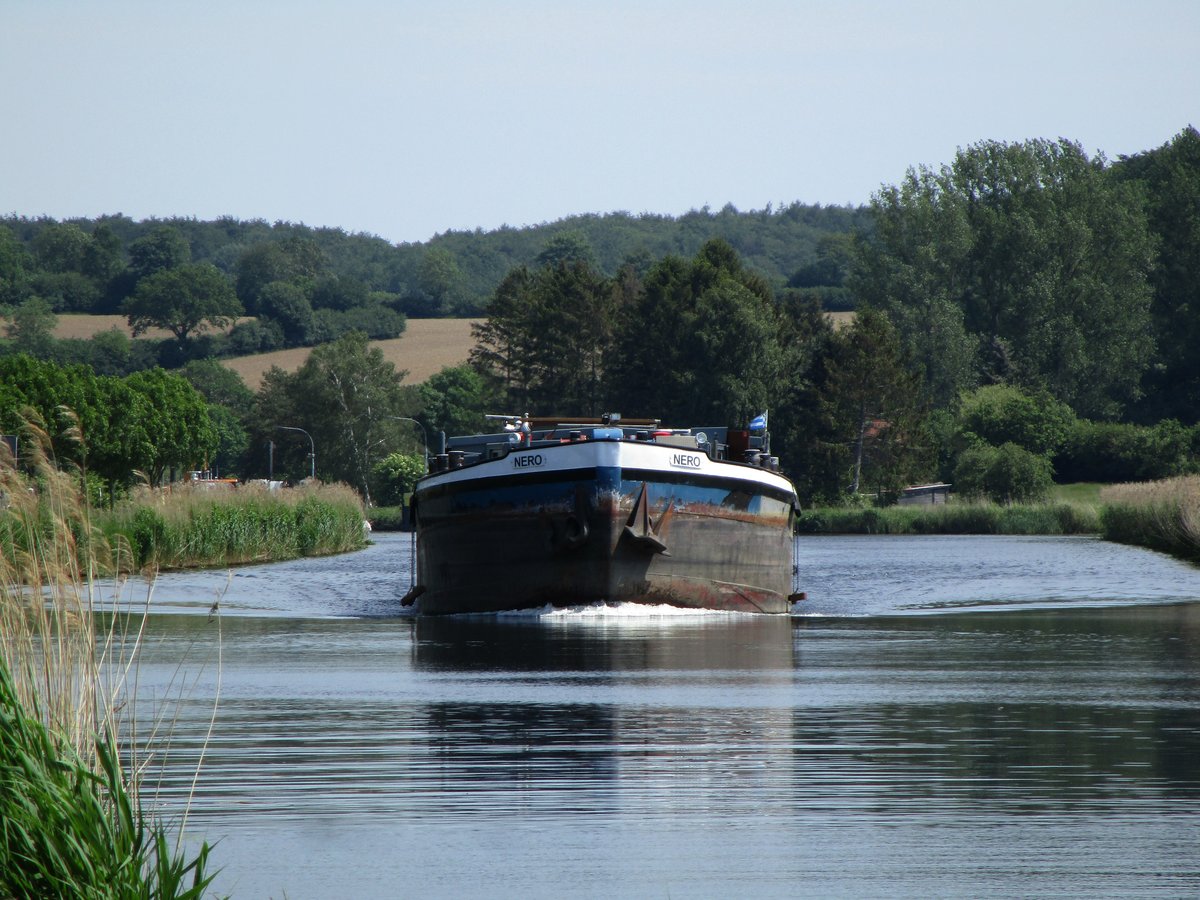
<point>71,814</point>
<point>1161,515</point>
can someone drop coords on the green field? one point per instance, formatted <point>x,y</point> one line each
<point>1083,492</point>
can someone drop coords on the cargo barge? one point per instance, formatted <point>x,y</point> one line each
<point>552,512</point>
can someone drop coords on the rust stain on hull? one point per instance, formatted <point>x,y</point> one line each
<point>489,563</point>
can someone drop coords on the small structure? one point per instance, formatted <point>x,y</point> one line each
<point>925,495</point>
<point>208,480</point>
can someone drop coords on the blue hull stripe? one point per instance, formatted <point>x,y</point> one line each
<point>605,479</point>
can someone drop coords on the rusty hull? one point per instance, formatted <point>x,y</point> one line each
<point>604,538</point>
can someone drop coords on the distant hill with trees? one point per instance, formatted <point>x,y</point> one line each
<point>93,265</point>
<point>1018,279</point>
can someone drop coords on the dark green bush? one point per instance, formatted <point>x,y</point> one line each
<point>1005,474</point>
<point>999,414</point>
<point>387,518</point>
<point>1110,452</point>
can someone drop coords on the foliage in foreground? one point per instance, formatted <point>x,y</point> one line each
<point>74,830</point>
<point>1162,515</point>
<point>71,820</point>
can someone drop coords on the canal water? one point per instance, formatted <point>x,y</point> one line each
<point>943,717</point>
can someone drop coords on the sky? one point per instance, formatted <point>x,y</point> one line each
<point>408,119</point>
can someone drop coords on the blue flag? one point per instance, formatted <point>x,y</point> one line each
<point>759,423</point>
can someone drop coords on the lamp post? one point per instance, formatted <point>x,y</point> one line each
<point>312,449</point>
<point>424,441</point>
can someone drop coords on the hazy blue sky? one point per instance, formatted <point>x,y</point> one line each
<point>405,119</point>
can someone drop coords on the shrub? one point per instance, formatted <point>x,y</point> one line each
<point>1005,474</point>
<point>1112,453</point>
<point>387,518</point>
<point>395,476</point>
<point>254,336</point>
<point>376,321</point>
<point>999,414</point>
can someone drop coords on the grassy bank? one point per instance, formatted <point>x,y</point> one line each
<point>953,518</point>
<point>1160,515</point>
<point>196,527</point>
<point>72,820</point>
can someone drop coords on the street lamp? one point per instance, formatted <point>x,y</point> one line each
<point>312,449</point>
<point>424,442</point>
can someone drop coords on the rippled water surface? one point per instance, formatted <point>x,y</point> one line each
<point>942,717</point>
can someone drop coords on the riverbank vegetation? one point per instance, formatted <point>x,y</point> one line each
<point>388,518</point>
<point>953,518</point>
<point>194,526</point>
<point>1162,515</point>
<point>1024,316</point>
<point>185,525</point>
<point>70,770</point>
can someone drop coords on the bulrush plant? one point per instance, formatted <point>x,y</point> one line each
<point>71,820</point>
<point>1162,515</point>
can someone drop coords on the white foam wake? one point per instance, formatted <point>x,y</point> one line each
<point>624,610</point>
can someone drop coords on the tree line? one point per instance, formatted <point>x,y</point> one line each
<point>1019,279</point>
<point>117,431</point>
<point>94,265</point>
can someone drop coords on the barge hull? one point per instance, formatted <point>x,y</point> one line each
<point>567,537</point>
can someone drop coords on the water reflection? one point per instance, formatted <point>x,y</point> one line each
<point>1053,748</point>
<point>602,643</point>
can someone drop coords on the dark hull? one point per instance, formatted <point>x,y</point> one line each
<point>605,533</point>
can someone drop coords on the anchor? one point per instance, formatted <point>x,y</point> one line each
<point>644,531</point>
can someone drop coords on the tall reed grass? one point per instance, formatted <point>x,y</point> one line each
<point>71,819</point>
<point>193,526</point>
<point>953,518</point>
<point>1161,515</point>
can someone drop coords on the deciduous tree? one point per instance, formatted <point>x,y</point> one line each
<point>176,420</point>
<point>162,249</point>
<point>455,400</point>
<point>344,396</point>
<point>1032,245</point>
<point>1171,178</point>
<point>185,301</point>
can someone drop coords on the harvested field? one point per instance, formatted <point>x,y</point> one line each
<point>84,327</point>
<point>426,347</point>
